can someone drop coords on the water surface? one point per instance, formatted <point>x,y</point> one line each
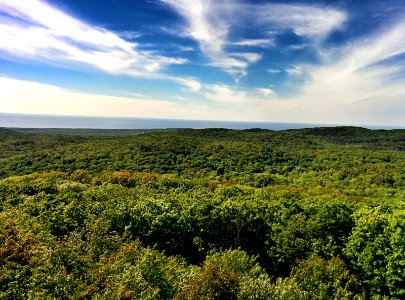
<point>51,121</point>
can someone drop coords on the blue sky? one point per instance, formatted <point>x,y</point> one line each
<point>334,62</point>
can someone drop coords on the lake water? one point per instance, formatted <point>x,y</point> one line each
<point>50,121</point>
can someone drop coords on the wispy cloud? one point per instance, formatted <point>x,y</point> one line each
<point>251,58</point>
<point>294,71</point>
<point>211,23</point>
<point>297,47</point>
<point>225,95</point>
<point>183,48</point>
<point>261,43</point>
<point>273,71</point>
<point>360,83</point>
<point>18,95</point>
<point>130,34</point>
<point>363,81</point>
<point>304,20</point>
<point>267,93</point>
<point>191,84</point>
<point>34,30</point>
<point>208,24</point>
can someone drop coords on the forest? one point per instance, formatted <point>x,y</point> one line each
<point>316,213</point>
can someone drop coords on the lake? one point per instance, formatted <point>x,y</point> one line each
<point>52,121</point>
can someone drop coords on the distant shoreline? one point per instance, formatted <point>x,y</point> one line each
<point>13,120</point>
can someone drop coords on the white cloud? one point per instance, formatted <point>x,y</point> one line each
<point>211,22</point>
<point>224,94</point>
<point>251,58</point>
<point>227,103</point>
<point>19,96</point>
<point>191,84</point>
<point>207,23</point>
<point>376,48</point>
<point>183,48</point>
<point>262,43</point>
<point>358,84</point>
<point>267,93</point>
<point>272,71</point>
<point>297,47</point>
<point>362,83</point>
<point>295,71</point>
<point>130,34</point>
<point>34,30</point>
<point>305,20</point>
<point>203,24</point>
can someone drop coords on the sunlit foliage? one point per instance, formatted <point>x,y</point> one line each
<point>203,214</point>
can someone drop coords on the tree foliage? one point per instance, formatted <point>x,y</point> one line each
<point>202,214</point>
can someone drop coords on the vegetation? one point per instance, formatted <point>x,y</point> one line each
<point>202,214</point>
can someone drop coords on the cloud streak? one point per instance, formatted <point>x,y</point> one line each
<point>37,98</point>
<point>309,21</point>
<point>208,24</point>
<point>227,95</point>
<point>34,30</point>
<point>211,23</point>
<point>260,43</point>
<point>360,83</point>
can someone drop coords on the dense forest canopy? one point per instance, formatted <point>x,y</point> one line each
<point>202,214</point>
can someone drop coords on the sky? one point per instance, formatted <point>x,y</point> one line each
<point>326,62</point>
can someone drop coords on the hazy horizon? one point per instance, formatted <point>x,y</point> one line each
<point>16,120</point>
